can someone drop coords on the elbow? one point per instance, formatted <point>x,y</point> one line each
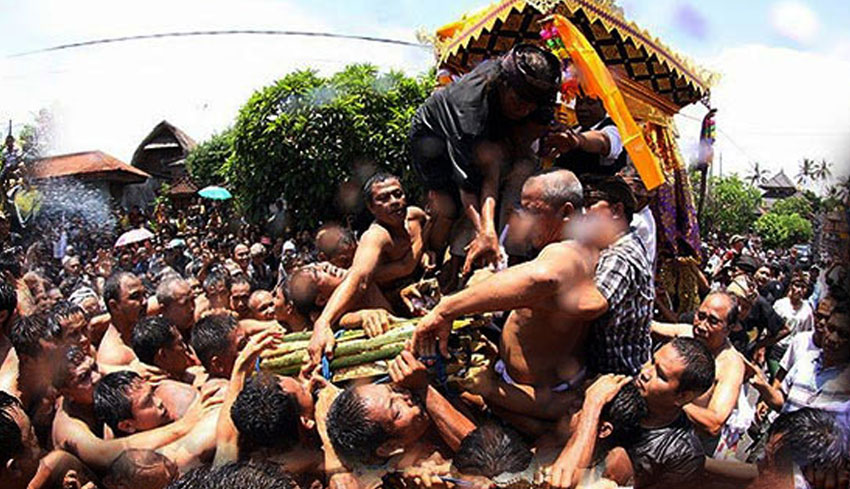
<point>714,428</point>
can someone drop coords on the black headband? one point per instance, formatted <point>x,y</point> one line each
<point>527,86</point>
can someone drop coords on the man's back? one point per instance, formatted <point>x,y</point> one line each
<point>668,456</point>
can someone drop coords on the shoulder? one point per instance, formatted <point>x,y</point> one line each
<point>374,235</point>
<point>416,213</point>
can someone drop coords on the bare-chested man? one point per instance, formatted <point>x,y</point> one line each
<point>712,322</point>
<point>126,302</point>
<point>391,249</point>
<point>552,299</point>
<point>8,358</point>
<point>261,305</point>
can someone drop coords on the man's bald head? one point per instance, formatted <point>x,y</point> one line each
<point>557,187</point>
<point>261,305</point>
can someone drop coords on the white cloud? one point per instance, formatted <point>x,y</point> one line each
<point>108,97</point>
<point>794,20</point>
<point>776,106</point>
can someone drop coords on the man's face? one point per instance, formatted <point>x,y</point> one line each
<point>710,324</point>
<point>388,203</point>
<point>54,295</point>
<point>589,111</point>
<point>132,303</point>
<point>148,410</point>
<point>177,357</point>
<point>512,105</point>
<point>241,255</point>
<point>836,339</point>
<point>305,400</point>
<point>822,315</point>
<point>181,310</point>
<point>237,340</point>
<point>239,294</point>
<point>72,267</point>
<point>797,291</point>
<point>658,381</point>
<point>75,330</point>
<point>195,285</point>
<point>397,410</point>
<point>262,305</point>
<point>542,223</point>
<point>80,387</point>
<point>600,225</point>
<point>762,276</point>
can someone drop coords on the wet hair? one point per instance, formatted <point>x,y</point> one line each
<point>211,335</point>
<point>150,335</point>
<point>236,475</point>
<point>625,413</point>
<point>354,436</point>
<point>136,468</point>
<point>375,179</point>
<point>62,310</point>
<point>265,414</point>
<point>8,298</point>
<point>112,402</point>
<point>559,187</point>
<point>112,287</point>
<point>73,357</point>
<point>346,238</point>
<point>217,276</point>
<point>301,290</point>
<point>28,331</point>
<point>698,375</point>
<point>165,289</point>
<point>812,438</point>
<point>11,438</point>
<point>490,450</point>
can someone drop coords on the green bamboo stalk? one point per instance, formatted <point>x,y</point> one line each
<point>384,352</point>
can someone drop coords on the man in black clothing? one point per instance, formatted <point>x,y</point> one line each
<point>462,140</point>
<point>665,451</point>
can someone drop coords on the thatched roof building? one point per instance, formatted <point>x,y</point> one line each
<point>88,166</point>
<point>163,152</point>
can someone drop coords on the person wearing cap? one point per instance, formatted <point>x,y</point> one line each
<point>463,138</point>
<point>258,270</point>
<point>595,146</point>
<point>620,340</point>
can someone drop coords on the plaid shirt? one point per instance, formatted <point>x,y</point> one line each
<point>620,341</point>
<point>809,384</point>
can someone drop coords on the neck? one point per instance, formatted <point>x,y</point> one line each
<point>660,418</point>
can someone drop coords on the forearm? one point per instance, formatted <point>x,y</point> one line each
<point>594,142</point>
<point>530,401</point>
<point>226,434</point>
<point>579,450</point>
<point>670,330</point>
<point>509,289</point>
<point>705,419</point>
<point>340,302</point>
<point>731,468</point>
<point>451,424</point>
<point>771,396</point>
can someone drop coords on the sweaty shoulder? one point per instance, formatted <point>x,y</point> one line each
<point>565,254</point>
<point>416,213</point>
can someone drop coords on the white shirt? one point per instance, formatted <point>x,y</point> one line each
<point>797,321</point>
<point>644,224</point>
<point>615,142</point>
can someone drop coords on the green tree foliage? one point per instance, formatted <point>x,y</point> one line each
<point>731,206</point>
<point>793,205</point>
<point>206,162</point>
<point>783,230</point>
<point>313,140</point>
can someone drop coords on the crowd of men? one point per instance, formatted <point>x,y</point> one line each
<point>138,366</point>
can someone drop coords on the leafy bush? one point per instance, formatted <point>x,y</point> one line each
<point>792,205</point>
<point>206,162</point>
<point>783,230</point>
<point>312,140</point>
<point>731,206</point>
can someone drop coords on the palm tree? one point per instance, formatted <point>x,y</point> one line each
<point>807,169</point>
<point>757,174</point>
<point>822,170</point>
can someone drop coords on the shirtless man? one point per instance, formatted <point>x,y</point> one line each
<point>76,429</point>
<point>552,300</point>
<point>261,305</point>
<point>126,302</point>
<point>712,323</point>
<point>389,250</point>
<point>177,303</point>
<point>8,358</point>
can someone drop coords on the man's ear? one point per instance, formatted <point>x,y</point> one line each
<point>389,448</point>
<point>307,423</point>
<point>216,365</point>
<point>11,465</point>
<point>618,210</point>
<point>567,210</point>
<point>685,397</point>
<point>605,429</point>
<point>127,426</point>
<point>159,358</point>
<point>321,300</point>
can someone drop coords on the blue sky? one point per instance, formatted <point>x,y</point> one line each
<point>108,97</point>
